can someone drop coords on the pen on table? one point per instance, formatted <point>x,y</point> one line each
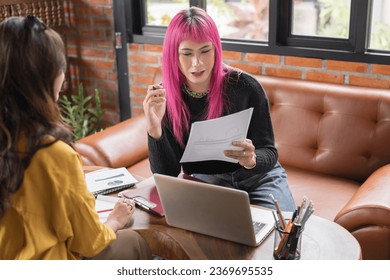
<point>105,210</point>
<point>278,211</point>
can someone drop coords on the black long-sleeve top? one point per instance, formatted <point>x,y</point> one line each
<point>242,92</point>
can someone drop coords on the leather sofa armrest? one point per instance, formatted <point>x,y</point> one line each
<point>367,215</point>
<point>370,204</point>
<point>120,145</point>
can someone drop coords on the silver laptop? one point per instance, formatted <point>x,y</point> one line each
<point>213,210</point>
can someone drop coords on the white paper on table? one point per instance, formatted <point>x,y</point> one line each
<point>103,203</point>
<point>208,139</point>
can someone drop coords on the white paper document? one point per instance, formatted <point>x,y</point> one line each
<point>104,205</point>
<point>208,139</point>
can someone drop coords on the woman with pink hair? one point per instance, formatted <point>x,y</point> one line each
<point>198,86</point>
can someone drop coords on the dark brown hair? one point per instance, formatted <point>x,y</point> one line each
<point>32,56</point>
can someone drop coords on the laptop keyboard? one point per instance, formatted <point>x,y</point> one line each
<point>257,226</point>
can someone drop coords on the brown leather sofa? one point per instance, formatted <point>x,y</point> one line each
<point>333,140</point>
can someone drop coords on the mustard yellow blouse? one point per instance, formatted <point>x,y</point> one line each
<point>52,214</point>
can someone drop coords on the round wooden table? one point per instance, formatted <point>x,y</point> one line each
<point>322,240</point>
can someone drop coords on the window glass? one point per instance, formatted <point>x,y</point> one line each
<point>380,25</point>
<point>325,18</point>
<point>240,19</point>
<point>160,12</point>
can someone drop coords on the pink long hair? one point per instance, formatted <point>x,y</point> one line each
<point>195,24</point>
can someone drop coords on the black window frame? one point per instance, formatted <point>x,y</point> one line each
<point>280,41</point>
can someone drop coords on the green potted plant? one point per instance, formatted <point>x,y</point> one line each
<point>82,112</point>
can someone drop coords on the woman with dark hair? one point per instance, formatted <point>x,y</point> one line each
<point>198,86</point>
<point>46,210</point>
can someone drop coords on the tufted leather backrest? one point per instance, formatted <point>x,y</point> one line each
<point>332,129</point>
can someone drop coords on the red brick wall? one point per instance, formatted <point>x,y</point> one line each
<point>143,59</point>
<point>90,44</point>
<point>88,34</point>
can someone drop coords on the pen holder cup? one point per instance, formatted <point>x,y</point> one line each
<point>287,243</point>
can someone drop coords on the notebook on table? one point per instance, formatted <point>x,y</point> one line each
<point>213,210</point>
<point>109,180</point>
